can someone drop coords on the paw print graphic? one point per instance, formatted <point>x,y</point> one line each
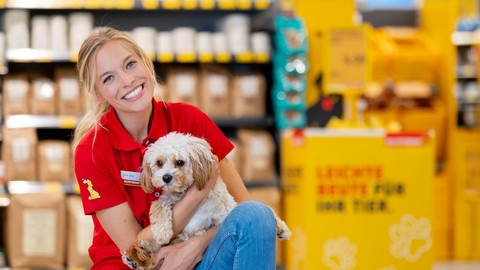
<point>339,254</point>
<point>299,243</point>
<point>411,238</point>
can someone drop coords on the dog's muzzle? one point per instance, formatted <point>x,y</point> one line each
<point>167,178</point>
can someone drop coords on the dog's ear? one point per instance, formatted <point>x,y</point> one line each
<point>203,162</point>
<point>146,178</point>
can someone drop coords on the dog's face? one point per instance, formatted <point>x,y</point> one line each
<point>176,161</point>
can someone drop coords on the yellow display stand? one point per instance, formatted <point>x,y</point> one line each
<point>358,199</point>
<point>467,202</point>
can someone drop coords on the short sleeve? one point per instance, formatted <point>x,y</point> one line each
<point>98,184</point>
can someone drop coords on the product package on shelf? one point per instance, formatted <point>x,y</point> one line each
<point>290,68</point>
<point>36,227</point>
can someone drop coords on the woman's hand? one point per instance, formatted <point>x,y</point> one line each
<point>185,255</point>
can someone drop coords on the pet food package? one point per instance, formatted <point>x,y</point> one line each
<point>36,230</point>
<point>258,155</point>
<point>43,98</point>
<point>215,91</point>
<point>70,101</point>
<point>248,96</point>
<point>183,85</point>
<point>270,196</point>
<point>20,153</point>
<point>54,161</point>
<point>16,93</point>
<point>235,156</point>
<point>79,234</point>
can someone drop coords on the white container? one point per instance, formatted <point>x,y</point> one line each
<point>260,43</point>
<point>81,25</point>
<point>59,33</point>
<point>164,42</point>
<point>204,43</point>
<point>40,26</point>
<point>184,40</point>
<point>17,29</point>
<point>146,37</point>
<point>219,43</point>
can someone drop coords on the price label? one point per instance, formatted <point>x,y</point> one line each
<point>186,57</point>
<point>226,4</point>
<point>207,4</point>
<point>205,58</point>
<point>171,4</point>
<point>92,4</point>
<point>261,4</point>
<point>245,57</point>
<point>150,4</point>
<point>262,57</point>
<point>190,4</point>
<point>223,57</point>
<point>244,4</point>
<point>347,59</point>
<point>67,122</point>
<point>165,57</point>
<point>125,4</point>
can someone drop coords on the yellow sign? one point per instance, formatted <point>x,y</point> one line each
<point>358,199</point>
<point>346,59</point>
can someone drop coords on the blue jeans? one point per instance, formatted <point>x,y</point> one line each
<point>245,241</point>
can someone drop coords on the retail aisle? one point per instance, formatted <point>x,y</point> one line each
<point>456,266</point>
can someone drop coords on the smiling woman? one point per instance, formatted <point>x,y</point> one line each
<point>110,142</point>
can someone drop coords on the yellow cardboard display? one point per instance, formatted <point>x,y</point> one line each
<point>358,199</point>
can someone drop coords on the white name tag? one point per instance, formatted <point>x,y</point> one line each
<point>130,178</point>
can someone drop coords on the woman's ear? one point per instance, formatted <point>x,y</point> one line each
<point>146,178</point>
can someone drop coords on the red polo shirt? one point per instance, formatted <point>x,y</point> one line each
<point>107,165</point>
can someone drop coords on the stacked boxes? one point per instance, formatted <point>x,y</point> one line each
<point>290,68</point>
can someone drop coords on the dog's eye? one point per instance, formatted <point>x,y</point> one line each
<point>180,163</point>
<point>159,163</point>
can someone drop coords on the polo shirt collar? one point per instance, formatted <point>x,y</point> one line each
<point>122,140</point>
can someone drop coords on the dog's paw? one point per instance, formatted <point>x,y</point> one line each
<point>139,255</point>
<point>132,264</point>
<point>283,232</point>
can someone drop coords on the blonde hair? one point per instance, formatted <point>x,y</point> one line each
<point>86,75</point>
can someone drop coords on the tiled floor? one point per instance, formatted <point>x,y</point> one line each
<point>456,266</point>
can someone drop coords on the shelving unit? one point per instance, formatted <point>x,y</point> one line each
<point>125,15</point>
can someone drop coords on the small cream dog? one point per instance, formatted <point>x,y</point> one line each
<point>173,163</point>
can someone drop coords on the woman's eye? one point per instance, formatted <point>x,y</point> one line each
<point>159,163</point>
<point>107,79</point>
<point>180,163</point>
<point>131,64</point>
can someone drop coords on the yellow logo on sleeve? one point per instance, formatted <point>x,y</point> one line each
<point>93,193</point>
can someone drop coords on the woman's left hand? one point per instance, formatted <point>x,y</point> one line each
<point>185,255</point>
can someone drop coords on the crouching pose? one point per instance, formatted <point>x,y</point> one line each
<point>110,141</point>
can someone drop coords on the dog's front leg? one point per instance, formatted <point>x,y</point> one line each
<point>161,215</point>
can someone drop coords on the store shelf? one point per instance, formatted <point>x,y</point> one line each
<point>40,121</point>
<point>139,4</point>
<point>22,187</point>
<point>465,38</point>
<point>50,56</point>
<point>70,122</point>
<point>245,122</point>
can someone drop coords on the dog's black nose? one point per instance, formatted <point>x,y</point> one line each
<point>167,178</point>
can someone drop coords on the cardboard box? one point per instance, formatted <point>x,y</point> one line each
<point>36,230</point>
<point>79,233</point>
<point>358,199</point>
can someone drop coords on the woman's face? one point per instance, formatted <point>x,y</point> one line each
<point>122,79</point>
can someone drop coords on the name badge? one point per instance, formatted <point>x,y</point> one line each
<point>130,178</point>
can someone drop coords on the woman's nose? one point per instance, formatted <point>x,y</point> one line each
<point>127,78</point>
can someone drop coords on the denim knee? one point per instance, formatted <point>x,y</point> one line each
<point>255,214</point>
